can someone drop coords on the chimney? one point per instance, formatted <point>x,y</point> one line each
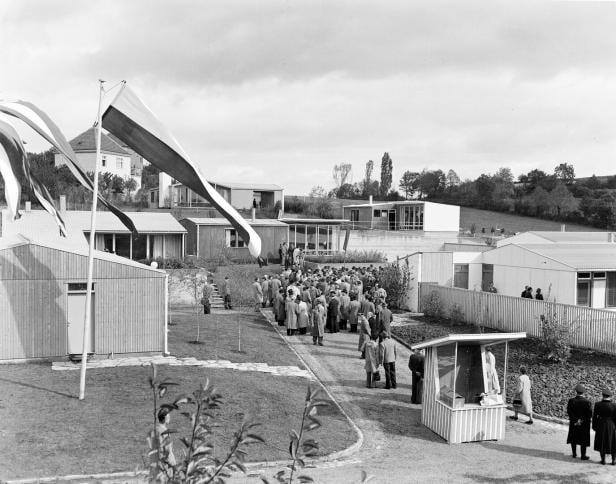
<point>28,207</point>
<point>562,227</point>
<point>370,199</point>
<point>62,203</point>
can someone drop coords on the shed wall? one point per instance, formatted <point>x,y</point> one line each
<point>212,241</point>
<point>439,217</point>
<point>129,312</point>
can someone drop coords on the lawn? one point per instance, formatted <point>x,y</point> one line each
<point>552,384</point>
<point>511,223</point>
<point>46,431</point>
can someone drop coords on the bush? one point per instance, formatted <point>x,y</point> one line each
<point>432,306</point>
<point>456,315</point>
<point>395,279</point>
<point>555,337</point>
<point>351,256</point>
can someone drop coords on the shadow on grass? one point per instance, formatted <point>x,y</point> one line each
<point>530,452</point>
<point>36,387</point>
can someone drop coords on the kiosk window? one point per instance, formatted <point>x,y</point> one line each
<point>470,382</point>
<point>445,357</point>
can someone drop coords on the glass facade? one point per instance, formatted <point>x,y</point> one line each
<point>315,238</point>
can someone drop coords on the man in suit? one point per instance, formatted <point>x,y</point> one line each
<point>579,410</point>
<point>416,365</point>
<point>605,429</point>
<point>388,358</point>
<point>385,319</point>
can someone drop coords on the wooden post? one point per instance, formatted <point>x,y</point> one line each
<point>505,372</point>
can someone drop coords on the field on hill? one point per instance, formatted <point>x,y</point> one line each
<point>511,223</point>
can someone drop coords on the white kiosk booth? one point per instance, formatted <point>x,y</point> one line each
<point>461,399</point>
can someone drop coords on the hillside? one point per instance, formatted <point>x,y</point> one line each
<point>512,223</point>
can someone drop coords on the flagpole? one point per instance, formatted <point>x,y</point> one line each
<point>88,310</point>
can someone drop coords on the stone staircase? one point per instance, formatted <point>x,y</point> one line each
<point>216,300</point>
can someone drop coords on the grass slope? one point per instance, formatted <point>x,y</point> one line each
<point>512,223</point>
<point>46,431</point>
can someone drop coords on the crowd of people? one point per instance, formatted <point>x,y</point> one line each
<point>330,300</point>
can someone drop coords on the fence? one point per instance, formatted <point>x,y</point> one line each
<point>590,328</point>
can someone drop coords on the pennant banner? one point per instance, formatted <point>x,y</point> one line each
<point>133,122</point>
<point>43,125</point>
<point>13,166</point>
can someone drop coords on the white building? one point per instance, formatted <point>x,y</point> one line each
<point>114,159</point>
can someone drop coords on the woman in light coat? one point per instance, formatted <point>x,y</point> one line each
<point>319,314</point>
<point>364,334</point>
<point>522,398</point>
<point>302,315</point>
<point>292,311</point>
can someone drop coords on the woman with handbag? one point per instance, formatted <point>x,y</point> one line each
<point>522,402</point>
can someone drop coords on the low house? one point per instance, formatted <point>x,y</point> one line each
<point>212,237</point>
<point>582,274</point>
<point>241,196</point>
<point>159,233</point>
<point>43,291</point>
<point>411,215</point>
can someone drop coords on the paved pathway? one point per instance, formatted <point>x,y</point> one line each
<point>188,361</point>
<point>397,448</point>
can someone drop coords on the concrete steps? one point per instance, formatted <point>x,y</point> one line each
<point>216,301</point>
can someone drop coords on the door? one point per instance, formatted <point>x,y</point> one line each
<point>392,220</point>
<point>598,290</point>
<point>75,311</point>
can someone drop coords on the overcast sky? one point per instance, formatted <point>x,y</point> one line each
<point>281,91</point>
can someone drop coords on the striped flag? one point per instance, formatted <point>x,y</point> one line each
<point>44,126</point>
<point>13,167</point>
<point>133,122</point>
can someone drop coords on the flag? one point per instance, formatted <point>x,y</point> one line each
<point>44,126</point>
<point>13,167</point>
<point>133,122</point>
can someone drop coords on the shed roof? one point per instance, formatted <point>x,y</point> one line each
<point>78,249</point>
<point>578,256</point>
<point>373,204</point>
<point>263,222</point>
<point>574,237</point>
<point>247,186</point>
<point>483,338</point>
<point>37,222</point>
<point>322,221</point>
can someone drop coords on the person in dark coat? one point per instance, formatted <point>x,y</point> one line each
<point>374,325</point>
<point>579,410</point>
<point>333,313</point>
<point>416,365</point>
<point>604,426</point>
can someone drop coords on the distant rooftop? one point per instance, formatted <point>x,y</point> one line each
<point>258,187</point>
<point>86,142</point>
<point>556,236</point>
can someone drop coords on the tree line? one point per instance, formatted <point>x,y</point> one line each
<point>557,196</point>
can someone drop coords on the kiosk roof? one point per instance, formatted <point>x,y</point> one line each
<point>483,338</point>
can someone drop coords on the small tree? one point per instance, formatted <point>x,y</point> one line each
<point>433,306</point>
<point>395,279</point>
<point>555,336</point>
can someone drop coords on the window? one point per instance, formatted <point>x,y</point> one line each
<point>460,276</point>
<point>152,196</point>
<point>355,215</point>
<point>78,286</point>
<point>487,276</point>
<point>119,163</point>
<point>610,290</point>
<point>104,160</point>
<point>377,213</point>
<point>233,239</point>
<point>446,358</point>
<point>583,289</point>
